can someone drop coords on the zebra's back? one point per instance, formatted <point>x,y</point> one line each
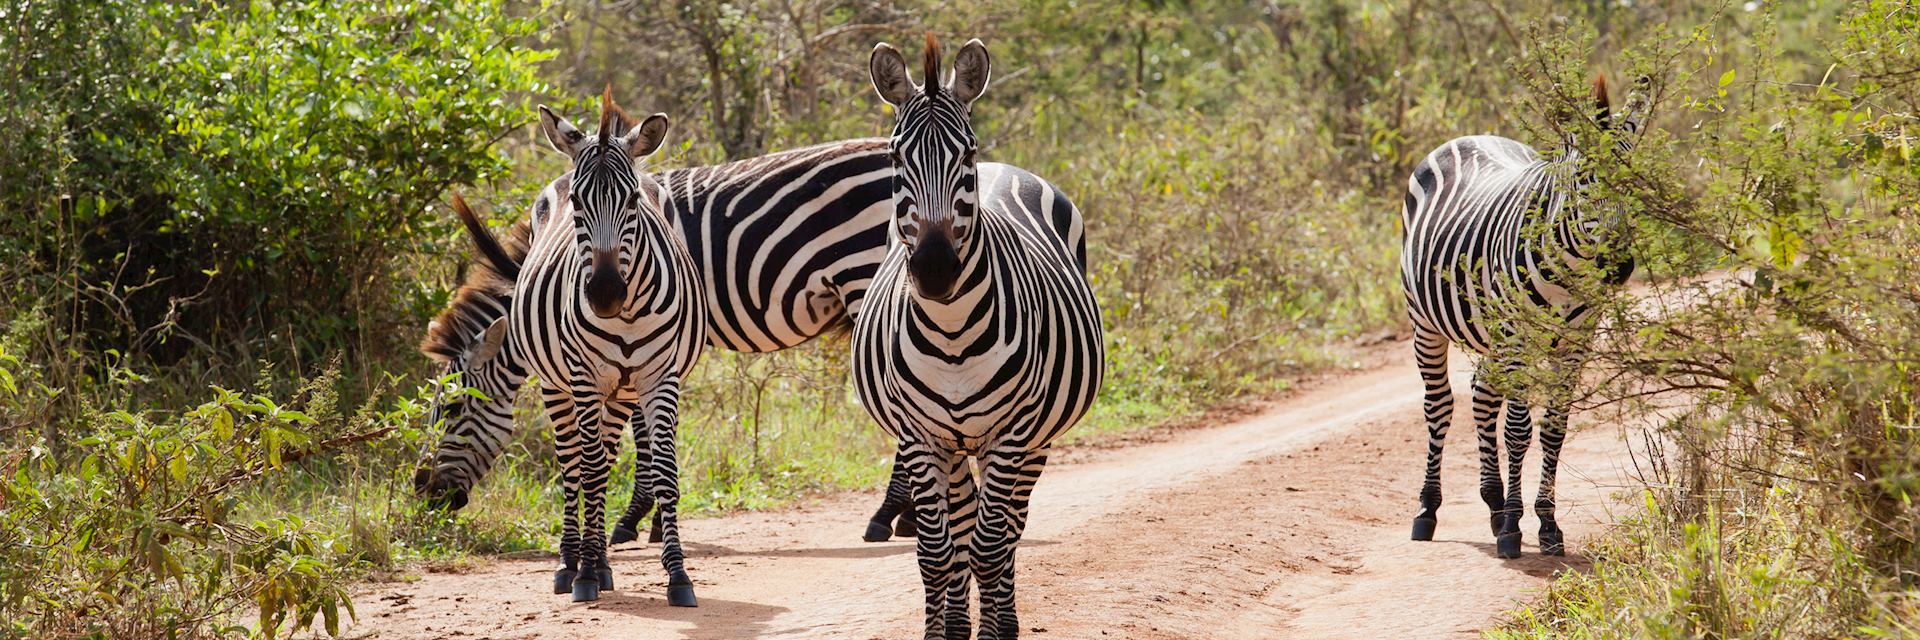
<point>1471,230</point>
<point>786,243</point>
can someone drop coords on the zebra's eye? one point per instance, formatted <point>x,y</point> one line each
<point>894,154</point>
<point>966,157</point>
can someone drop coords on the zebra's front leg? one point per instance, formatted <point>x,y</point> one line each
<point>1006,484</point>
<point>628,529</point>
<point>931,474</point>
<point>663,409</point>
<point>1430,353</point>
<point>1486,426</point>
<point>600,444</point>
<point>1553,431</point>
<point>894,517</point>
<point>566,444</point>
<point>1519,437</point>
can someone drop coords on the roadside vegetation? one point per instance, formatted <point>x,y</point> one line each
<point>221,233</point>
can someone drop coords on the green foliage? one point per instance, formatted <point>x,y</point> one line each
<point>1785,507</point>
<point>181,168</point>
<point>135,531</point>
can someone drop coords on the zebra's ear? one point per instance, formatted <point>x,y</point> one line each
<point>970,72</point>
<point>490,341</point>
<point>890,77</point>
<point>564,137</point>
<point>646,138</point>
<point>1639,102</point>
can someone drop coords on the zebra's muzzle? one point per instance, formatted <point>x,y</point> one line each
<point>440,491</point>
<point>604,289</point>
<point>934,266</point>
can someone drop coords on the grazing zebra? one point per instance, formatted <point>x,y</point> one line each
<point>609,314</point>
<point>980,339</point>
<point>786,243</point>
<point>1489,225</point>
<point>468,338</point>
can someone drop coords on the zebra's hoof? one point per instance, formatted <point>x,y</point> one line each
<point>1552,544</point>
<point>878,531</point>
<point>680,592</point>
<point>605,576</point>
<point>655,535</point>
<point>563,580</point>
<point>1507,546</point>
<point>586,589</point>
<point>904,526</point>
<point>1423,528</point>
<point>623,534</point>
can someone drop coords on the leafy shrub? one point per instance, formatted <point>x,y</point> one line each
<point>136,531</point>
<point>197,165</point>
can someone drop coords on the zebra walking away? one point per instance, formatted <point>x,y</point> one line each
<point>980,339</point>
<point>786,244</point>
<point>609,314</point>
<point>1491,228</point>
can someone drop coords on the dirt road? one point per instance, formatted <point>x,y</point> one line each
<point>1290,523</point>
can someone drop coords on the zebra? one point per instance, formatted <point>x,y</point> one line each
<point>787,244</point>
<point>981,339</point>
<point>1490,227</point>
<point>610,315</point>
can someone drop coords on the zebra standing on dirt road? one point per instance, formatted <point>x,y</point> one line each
<point>609,314</point>
<point>1488,224</point>
<point>980,339</point>
<point>787,244</point>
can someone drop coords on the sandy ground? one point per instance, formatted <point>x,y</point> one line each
<point>1291,521</point>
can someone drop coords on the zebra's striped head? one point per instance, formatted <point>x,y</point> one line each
<point>446,475</point>
<point>606,197</point>
<point>1625,126</point>
<point>935,184</point>
<point>1604,228</point>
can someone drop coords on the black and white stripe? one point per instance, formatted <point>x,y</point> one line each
<point>608,313</point>
<point>1491,228</point>
<point>980,339</point>
<point>786,243</point>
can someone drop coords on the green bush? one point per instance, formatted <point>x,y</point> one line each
<point>251,181</point>
<point>1781,502</point>
<point>137,530</point>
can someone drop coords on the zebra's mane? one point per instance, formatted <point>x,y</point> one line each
<point>477,303</point>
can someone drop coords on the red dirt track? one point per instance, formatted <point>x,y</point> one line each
<point>1291,522</point>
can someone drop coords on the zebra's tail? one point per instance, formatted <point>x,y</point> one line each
<point>485,242</point>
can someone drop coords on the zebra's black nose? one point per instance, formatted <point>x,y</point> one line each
<point>934,265</point>
<point>604,290</point>
<point>440,492</point>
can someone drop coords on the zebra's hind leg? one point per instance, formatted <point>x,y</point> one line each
<point>1486,426</point>
<point>1006,484</point>
<point>663,409</point>
<point>1553,432</point>
<point>1430,353</point>
<point>628,529</point>
<point>1519,437</point>
<point>894,518</point>
<point>566,441</point>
